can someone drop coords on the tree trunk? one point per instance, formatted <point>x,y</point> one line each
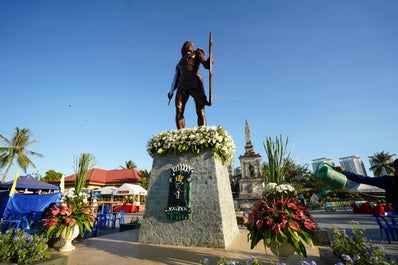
<point>5,174</point>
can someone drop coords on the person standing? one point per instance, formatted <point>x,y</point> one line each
<point>188,82</point>
<point>387,182</point>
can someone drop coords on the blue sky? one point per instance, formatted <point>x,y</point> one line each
<point>93,76</point>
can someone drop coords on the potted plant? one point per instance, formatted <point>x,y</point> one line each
<point>279,222</point>
<point>279,219</point>
<point>73,211</point>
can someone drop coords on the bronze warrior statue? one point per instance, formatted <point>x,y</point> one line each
<point>189,82</point>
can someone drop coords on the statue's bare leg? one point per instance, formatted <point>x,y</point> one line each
<point>200,111</point>
<point>181,101</point>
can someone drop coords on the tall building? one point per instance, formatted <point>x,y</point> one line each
<point>353,164</point>
<point>317,161</point>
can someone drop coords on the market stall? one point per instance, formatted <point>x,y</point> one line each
<point>133,198</point>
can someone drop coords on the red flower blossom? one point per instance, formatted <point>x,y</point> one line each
<point>49,222</point>
<point>300,212</point>
<point>55,211</point>
<point>259,223</point>
<point>309,224</point>
<point>276,228</point>
<point>72,222</point>
<point>291,205</point>
<point>295,226</point>
<point>297,217</point>
<point>284,222</point>
<point>63,210</point>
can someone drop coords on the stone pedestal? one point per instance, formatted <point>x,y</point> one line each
<point>250,192</point>
<point>213,220</point>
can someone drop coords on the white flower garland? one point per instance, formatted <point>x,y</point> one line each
<point>193,140</point>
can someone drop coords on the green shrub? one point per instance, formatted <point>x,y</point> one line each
<point>22,248</point>
<point>357,250</point>
<point>136,220</point>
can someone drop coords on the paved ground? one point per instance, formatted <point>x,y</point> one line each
<point>123,248</point>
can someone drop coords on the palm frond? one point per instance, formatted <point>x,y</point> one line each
<point>82,165</point>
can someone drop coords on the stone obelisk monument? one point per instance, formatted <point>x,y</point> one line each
<point>250,185</point>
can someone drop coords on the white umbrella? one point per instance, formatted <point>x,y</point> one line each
<point>130,189</point>
<point>107,190</point>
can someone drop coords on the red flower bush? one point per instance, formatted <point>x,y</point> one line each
<point>281,220</point>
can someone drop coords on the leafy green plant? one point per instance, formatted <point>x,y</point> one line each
<point>357,250</point>
<point>82,166</point>
<point>22,248</point>
<point>278,159</point>
<point>136,220</point>
<point>193,140</point>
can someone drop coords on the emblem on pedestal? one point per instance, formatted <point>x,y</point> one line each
<point>179,200</point>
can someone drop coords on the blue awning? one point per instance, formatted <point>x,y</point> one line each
<point>30,183</point>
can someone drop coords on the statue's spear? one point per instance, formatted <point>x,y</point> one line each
<point>211,69</point>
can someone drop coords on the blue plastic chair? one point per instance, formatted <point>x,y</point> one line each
<point>109,218</point>
<point>119,217</point>
<point>9,224</point>
<point>394,223</point>
<point>384,226</point>
<point>37,217</point>
<point>26,226</point>
<point>99,223</point>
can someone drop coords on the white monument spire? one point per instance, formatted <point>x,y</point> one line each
<point>249,149</point>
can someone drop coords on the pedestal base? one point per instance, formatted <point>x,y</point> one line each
<point>213,220</point>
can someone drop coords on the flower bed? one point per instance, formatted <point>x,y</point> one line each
<point>16,246</point>
<point>357,249</point>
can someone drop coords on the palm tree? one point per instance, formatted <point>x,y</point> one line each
<point>144,178</point>
<point>129,165</point>
<point>15,149</point>
<point>382,163</point>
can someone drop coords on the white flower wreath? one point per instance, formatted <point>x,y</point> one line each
<point>193,140</point>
